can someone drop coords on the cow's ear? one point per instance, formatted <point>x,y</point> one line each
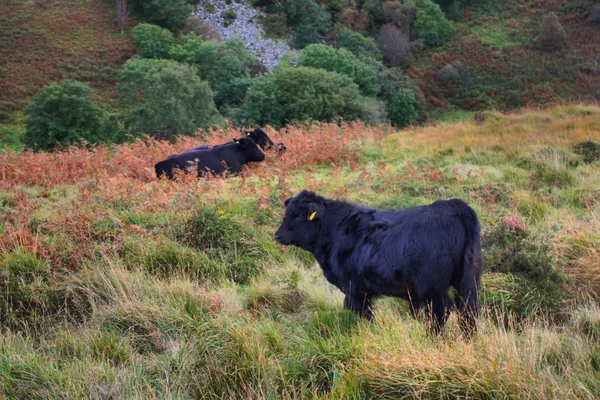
<point>287,201</point>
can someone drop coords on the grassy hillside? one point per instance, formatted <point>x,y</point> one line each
<point>50,40</point>
<point>116,285</point>
<point>496,42</point>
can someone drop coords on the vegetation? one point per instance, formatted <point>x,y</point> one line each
<point>167,98</point>
<point>153,41</point>
<point>165,289</point>
<point>63,114</point>
<point>166,13</point>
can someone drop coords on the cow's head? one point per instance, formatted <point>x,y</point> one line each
<point>301,222</point>
<point>250,149</point>
<point>280,147</point>
<point>260,137</point>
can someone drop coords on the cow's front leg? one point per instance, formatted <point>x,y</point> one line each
<point>361,304</point>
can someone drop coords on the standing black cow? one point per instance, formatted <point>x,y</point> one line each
<point>231,156</point>
<point>415,254</point>
<point>259,136</point>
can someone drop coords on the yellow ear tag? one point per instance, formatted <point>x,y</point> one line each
<point>312,216</point>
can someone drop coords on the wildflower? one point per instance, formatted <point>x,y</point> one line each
<point>220,212</point>
<point>224,217</point>
<point>493,223</point>
<point>189,233</point>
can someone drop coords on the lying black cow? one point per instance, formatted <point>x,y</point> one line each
<point>415,254</point>
<point>259,136</point>
<point>231,157</point>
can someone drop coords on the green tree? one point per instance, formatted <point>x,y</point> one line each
<point>359,45</point>
<point>341,61</point>
<point>552,35</point>
<point>401,109</point>
<point>311,20</point>
<point>153,41</point>
<point>219,63</point>
<point>166,13</point>
<point>63,114</point>
<point>300,94</point>
<point>167,98</point>
<point>431,24</point>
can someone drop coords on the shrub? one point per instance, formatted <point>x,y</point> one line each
<point>312,21</point>
<point>552,35</point>
<point>511,250</point>
<point>392,80</point>
<point>229,15</point>
<point>219,63</point>
<point>223,238</point>
<point>402,110</point>
<point>300,94</point>
<point>153,41</point>
<point>168,98</point>
<point>166,13</point>
<point>449,73</point>
<point>341,61</point>
<point>431,24</point>
<point>63,114</point>
<point>359,45</point>
<point>588,150</point>
<point>28,294</point>
<point>394,45</point>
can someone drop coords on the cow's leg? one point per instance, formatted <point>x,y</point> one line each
<point>438,309</point>
<point>361,304</point>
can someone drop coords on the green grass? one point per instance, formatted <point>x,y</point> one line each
<point>119,286</point>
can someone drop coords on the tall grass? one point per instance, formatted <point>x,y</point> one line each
<point>117,285</point>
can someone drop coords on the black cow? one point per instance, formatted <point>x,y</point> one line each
<point>231,156</point>
<point>259,136</point>
<point>415,254</point>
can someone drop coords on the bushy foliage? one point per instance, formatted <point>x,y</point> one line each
<point>588,150</point>
<point>311,20</point>
<point>167,98</point>
<point>153,41</point>
<point>359,45</point>
<point>300,94</point>
<point>63,114</point>
<point>341,61</point>
<point>552,35</point>
<point>401,109</point>
<point>220,63</point>
<point>394,45</point>
<point>166,13</point>
<point>431,24</point>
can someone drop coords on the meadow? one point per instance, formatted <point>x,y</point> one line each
<point>117,285</point>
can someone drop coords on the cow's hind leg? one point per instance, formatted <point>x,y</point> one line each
<point>360,304</point>
<point>438,309</point>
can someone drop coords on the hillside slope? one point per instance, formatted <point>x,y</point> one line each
<point>45,41</point>
<point>119,285</point>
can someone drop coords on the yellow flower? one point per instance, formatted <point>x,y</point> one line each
<point>220,212</point>
<point>224,217</point>
<point>493,223</point>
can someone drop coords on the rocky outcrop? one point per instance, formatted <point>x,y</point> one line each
<point>246,25</point>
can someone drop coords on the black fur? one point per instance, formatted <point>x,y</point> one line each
<point>416,254</point>
<point>259,136</point>
<point>231,156</point>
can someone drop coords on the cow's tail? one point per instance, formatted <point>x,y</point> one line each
<point>468,287</point>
